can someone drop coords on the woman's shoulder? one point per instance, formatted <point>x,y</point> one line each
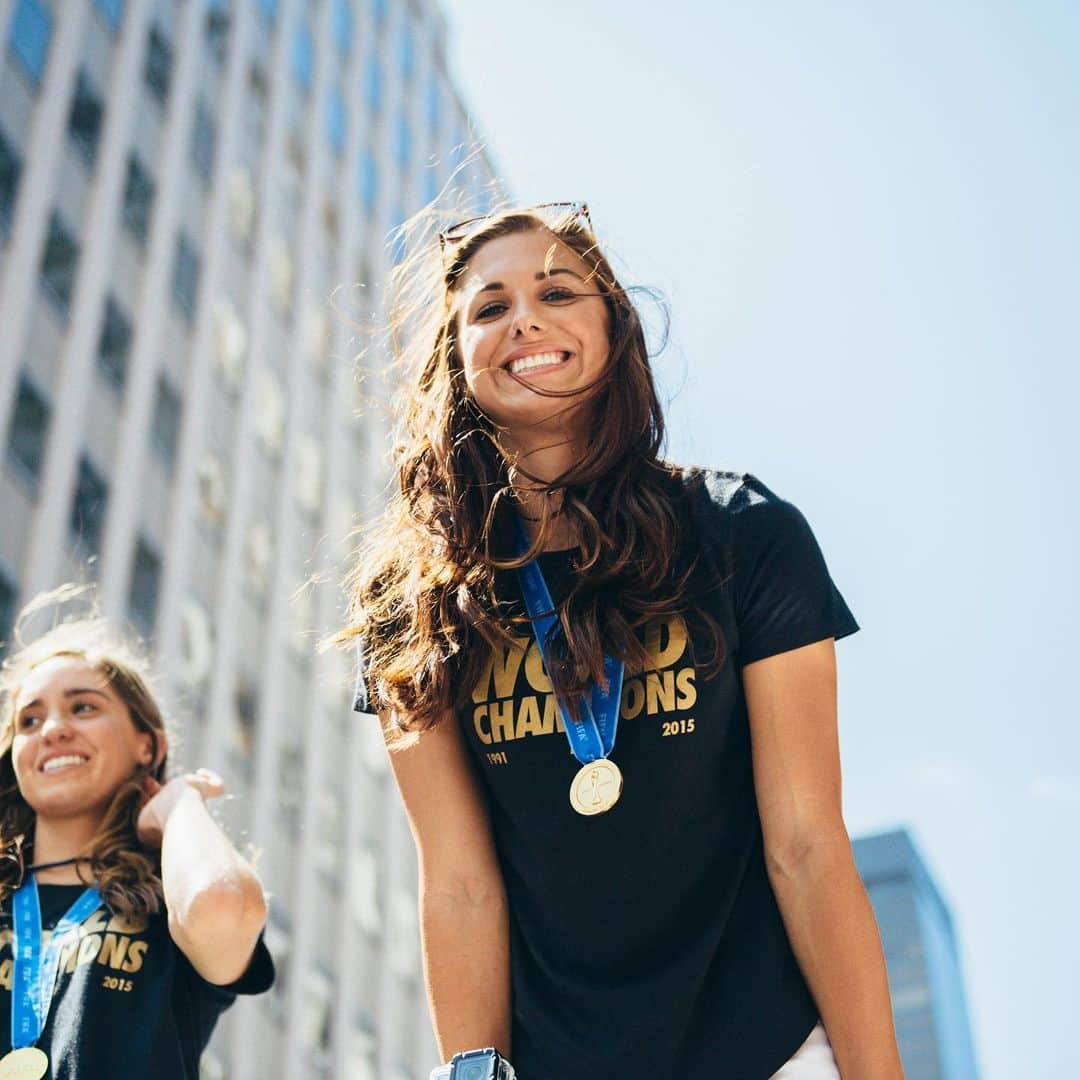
<point>722,490</point>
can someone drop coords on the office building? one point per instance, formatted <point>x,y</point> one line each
<point>184,185</point>
<point>923,959</point>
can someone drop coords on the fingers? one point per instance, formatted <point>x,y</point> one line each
<point>208,782</point>
<point>150,787</point>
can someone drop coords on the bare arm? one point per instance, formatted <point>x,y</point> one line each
<point>463,914</point>
<point>791,699</point>
<point>214,899</point>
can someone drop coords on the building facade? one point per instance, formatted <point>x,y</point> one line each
<point>191,194</point>
<point>923,959</point>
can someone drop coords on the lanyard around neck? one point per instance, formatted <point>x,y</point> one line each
<point>34,975</point>
<point>593,735</point>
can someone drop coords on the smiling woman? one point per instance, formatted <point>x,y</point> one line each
<point>148,903</point>
<point>681,900</point>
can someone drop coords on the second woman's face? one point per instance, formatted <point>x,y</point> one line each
<point>530,315</point>
<point>75,742</point>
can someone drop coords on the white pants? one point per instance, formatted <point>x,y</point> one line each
<point>812,1061</point>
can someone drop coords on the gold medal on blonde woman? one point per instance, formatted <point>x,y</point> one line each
<point>28,1063</point>
<point>596,787</point>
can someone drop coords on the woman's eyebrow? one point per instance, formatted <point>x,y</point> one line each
<point>69,694</point>
<point>498,286</point>
<point>86,690</point>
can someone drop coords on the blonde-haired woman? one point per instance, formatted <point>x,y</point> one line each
<point>128,921</point>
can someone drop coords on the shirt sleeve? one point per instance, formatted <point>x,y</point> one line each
<point>198,1003</point>
<point>783,594</point>
<point>259,976</point>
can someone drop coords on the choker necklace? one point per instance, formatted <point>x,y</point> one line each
<point>529,517</point>
<point>59,862</point>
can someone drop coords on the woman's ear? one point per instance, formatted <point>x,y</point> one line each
<point>153,748</point>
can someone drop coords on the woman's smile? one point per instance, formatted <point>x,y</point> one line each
<point>531,360</point>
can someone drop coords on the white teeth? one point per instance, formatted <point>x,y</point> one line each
<point>527,363</point>
<point>60,762</point>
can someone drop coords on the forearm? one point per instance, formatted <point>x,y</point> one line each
<point>465,933</point>
<point>835,938</point>
<point>205,879</point>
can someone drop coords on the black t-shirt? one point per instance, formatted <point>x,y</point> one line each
<point>128,1004</point>
<point>647,941</point>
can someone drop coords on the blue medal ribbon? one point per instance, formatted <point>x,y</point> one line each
<point>34,976</point>
<point>593,736</point>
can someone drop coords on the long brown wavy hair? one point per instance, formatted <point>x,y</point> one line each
<point>423,588</point>
<point>128,876</point>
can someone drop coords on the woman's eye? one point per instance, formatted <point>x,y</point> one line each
<point>490,310</point>
<point>82,707</point>
<point>27,721</point>
<point>559,294</point>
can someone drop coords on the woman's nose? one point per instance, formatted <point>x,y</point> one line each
<point>55,726</point>
<point>525,319</point>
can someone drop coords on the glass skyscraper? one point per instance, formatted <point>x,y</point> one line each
<point>922,957</point>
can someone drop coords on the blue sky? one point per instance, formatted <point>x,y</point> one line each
<point>865,220</point>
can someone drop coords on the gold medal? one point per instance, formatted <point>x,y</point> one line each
<point>596,787</point>
<point>28,1063</point>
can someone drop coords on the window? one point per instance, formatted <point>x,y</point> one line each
<point>88,508</point>
<point>402,141</point>
<point>114,345</point>
<point>230,343</point>
<point>290,785</point>
<point>28,41</point>
<point>59,263</point>
<point>373,84</point>
<point>270,410</point>
<point>158,64</point>
<point>343,26</point>
<point>245,714</point>
<point>29,427</point>
<point>368,180</point>
<point>259,550</point>
<point>216,32</point>
<point>431,185</point>
<point>196,642</point>
<point>185,279</point>
<point>282,275</point>
<point>303,56</point>
<point>8,596</point>
<point>364,874</point>
<point>433,106</point>
<point>112,11</point>
<point>335,120</point>
<point>316,1019</point>
<point>397,237</point>
<point>145,580</point>
<point>138,199</point>
<point>166,431</point>
<point>309,466</point>
<point>10,171</point>
<point>84,122</point>
<point>406,51</point>
<point>241,204</point>
<point>211,479</point>
<point>203,139</point>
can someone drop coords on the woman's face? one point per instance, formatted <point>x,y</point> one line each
<point>529,309</point>
<point>74,742</point>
